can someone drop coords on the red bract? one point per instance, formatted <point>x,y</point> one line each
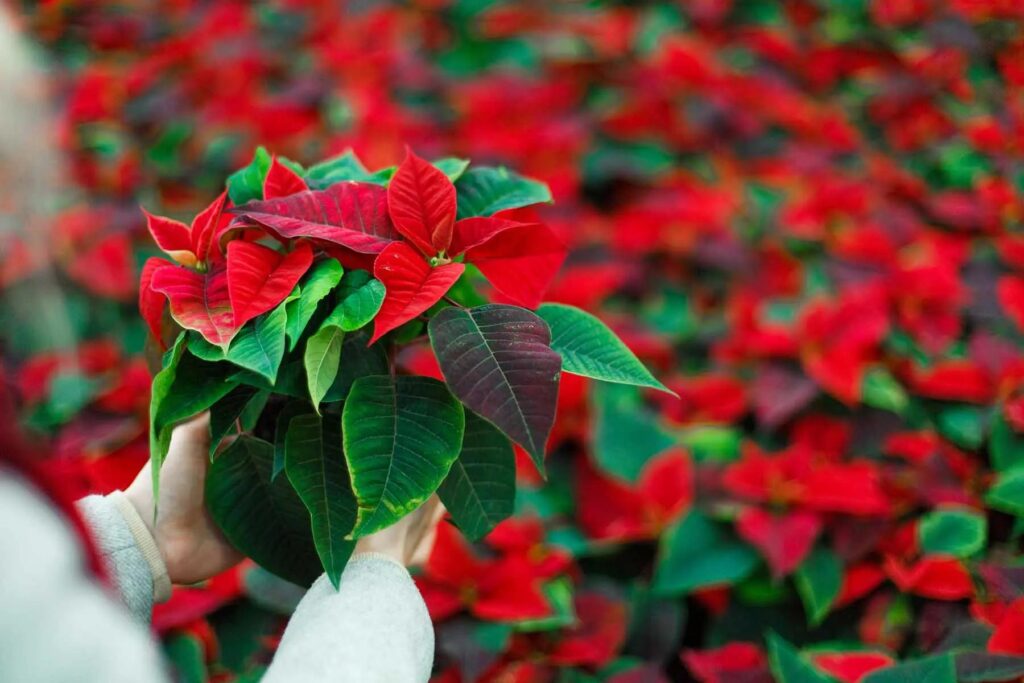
<point>744,661</point>
<point>502,589</point>
<point>851,667</point>
<point>412,286</point>
<point>784,540</point>
<point>191,246</point>
<point>421,203</point>
<point>281,181</point>
<point>260,278</point>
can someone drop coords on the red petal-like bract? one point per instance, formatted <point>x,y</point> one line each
<point>598,634</point>
<point>520,262</point>
<point>349,214</point>
<point>173,237</point>
<point>421,201</point>
<point>784,539</point>
<point>281,181</point>
<point>259,278</point>
<point>411,285</point>
<point>186,245</point>
<point>851,667</point>
<point>199,301</point>
<point>152,303</point>
<point>472,232</point>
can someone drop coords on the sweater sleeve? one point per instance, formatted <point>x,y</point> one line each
<point>128,551</point>
<point>374,629</point>
<point>58,623</point>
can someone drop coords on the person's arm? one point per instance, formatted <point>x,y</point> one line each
<point>58,623</point>
<point>375,627</point>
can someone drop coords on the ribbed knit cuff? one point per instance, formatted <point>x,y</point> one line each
<point>357,557</point>
<point>147,545</point>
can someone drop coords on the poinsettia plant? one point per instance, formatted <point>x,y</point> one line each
<point>301,293</point>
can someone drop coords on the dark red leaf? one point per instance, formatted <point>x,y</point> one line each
<point>784,540</point>
<point>350,214</point>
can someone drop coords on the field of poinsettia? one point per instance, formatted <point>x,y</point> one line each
<point>805,216</point>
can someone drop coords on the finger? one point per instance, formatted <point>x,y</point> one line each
<point>428,533</point>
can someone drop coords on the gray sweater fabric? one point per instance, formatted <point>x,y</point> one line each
<point>58,624</point>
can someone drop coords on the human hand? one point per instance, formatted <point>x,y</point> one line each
<point>191,545</point>
<point>410,539</point>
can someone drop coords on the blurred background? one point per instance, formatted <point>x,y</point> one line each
<point>806,215</point>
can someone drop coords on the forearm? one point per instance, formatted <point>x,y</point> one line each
<point>374,628</point>
<point>128,551</point>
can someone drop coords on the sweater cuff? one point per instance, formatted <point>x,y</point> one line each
<point>146,543</point>
<point>370,556</point>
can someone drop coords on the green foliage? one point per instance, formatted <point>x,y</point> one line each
<point>401,437</point>
<point>480,488</point>
<point>590,349</point>
<point>959,533</point>
<point>315,464</point>
<point>789,666</point>
<point>263,518</point>
<point>697,553</point>
<point>484,191</point>
<point>322,278</point>
<point>818,581</point>
<point>246,184</point>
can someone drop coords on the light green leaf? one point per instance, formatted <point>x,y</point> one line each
<point>322,278</point>
<point>485,190</point>
<point>321,359</point>
<point>265,520</point>
<point>1006,446</point>
<point>818,581</point>
<point>360,298</point>
<point>345,166</point>
<point>259,345</point>
<point>590,349</point>
<point>957,532</point>
<point>401,437</point>
<point>626,434</point>
<point>315,464</point>
<point>697,553</point>
<point>880,389</point>
<point>480,488</point>
<point>1007,494</point>
<point>452,167</point>
<point>246,183</point>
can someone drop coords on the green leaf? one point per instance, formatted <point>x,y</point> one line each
<point>246,183</point>
<point>590,349</point>
<point>485,190</point>
<point>937,669</point>
<point>880,389</point>
<point>315,464</point>
<point>345,166</point>
<point>185,653</point>
<point>227,411</point>
<point>626,433</point>
<point>259,346</point>
<point>360,361</point>
<point>361,297</point>
<point>322,278</point>
<point>265,520</point>
<point>290,410</point>
<point>818,581</point>
<point>982,667</point>
<point>185,387</point>
<point>1007,494</point>
<point>697,553</point>
<point>1006,446</point>
<point>963,425</point>
<point>789,666</point>
<point>960,533</point>
<point>401,437</point>
<point>452,167</point>
<point>321,359</point>
<point>480,488</point>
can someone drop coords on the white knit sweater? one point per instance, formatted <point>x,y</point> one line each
<point>56,624</point>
